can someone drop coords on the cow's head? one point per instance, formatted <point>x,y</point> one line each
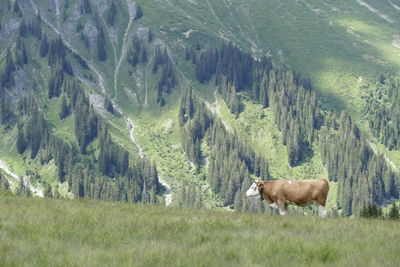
<point>255,190</point>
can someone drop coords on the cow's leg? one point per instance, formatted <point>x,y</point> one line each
<point>273,205</point>
<point>322,211</point>
<point>282,208</point>
<point>282,212</point>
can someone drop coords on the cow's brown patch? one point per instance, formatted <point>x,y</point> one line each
<point>297,192</point>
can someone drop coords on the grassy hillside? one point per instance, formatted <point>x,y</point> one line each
<point>338,43</point>
<point>88,233</point>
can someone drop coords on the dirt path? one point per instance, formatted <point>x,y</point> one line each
<point>375,11</point>
<point>394,6</point>
<point>132,11</point>
<point>377,151</point>
<point>223,25</point>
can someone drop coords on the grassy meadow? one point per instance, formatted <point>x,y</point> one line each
<point>35,232</point>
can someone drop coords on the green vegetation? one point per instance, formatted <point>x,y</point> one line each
<point>256,125</point>
<point>90,233</point>
<point>271,100</point>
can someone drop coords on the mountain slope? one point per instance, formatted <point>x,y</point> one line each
<point>132,61</point>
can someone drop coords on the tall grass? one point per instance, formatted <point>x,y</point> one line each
<point>37,232</point>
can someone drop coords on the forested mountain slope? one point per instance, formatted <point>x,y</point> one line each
<point>112,99</point>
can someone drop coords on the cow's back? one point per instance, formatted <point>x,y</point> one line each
<point>301,192</point>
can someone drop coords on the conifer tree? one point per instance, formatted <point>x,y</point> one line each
<point>87,9</point>
<point>187,53</point>
<point>56,81</point>
<point>21,141</point>
<point>64,108</point>
<point>139,12</point>
<point>183,197</point>
<point>18,58</point>
<point>238,201</point>
<point>48,192</point>
<point>145,194</point>
<point>112,14</point>
<point>4,184</point>
<point>108,104</point>
<point>149,35</point>
<point>44,46</point>
<point>101,46</point>
<point>17,9</point>
<point>24,53</point>
<point>3,108</point>
<point>394,212</point>
<point>199,202</point>
<point>143,55</point>
<point>235,104</point>
<point>8,79</point>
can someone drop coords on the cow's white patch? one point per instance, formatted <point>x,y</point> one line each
<point>273,205</point>
<point>253,191</point>
<point>282,212</point>
<point>322,211</point>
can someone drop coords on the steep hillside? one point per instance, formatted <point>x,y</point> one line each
<point>129,101</point>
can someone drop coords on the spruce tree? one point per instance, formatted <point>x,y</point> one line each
<point>4,184</point>
<point>86,6</point>
<point>64,108</point>
<point>112,14</point>
<point>108,104</point>
<point>21,141</point>
<point>238,201</point>
<point>150,35</point>
<point>199,200</point>
<point>3,110</point>
<point>139,12</point>
<point>101,46</point>
<point>17,9</point>
<point>153,198</point>
<point>143,55</point>
<point>56,194</point>
<point>48,192</point>
<point>145,194</point>
<point>18,58</point>
<point>8,79</point>
<point>235,104</point>
<point>183,197</point>
<point>24,54</point>
<point>187,54</point>
<point>394,212</point>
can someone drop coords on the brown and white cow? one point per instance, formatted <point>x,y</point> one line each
<point>280,193</point>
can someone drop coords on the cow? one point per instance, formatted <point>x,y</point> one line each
<point>280,193</point>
